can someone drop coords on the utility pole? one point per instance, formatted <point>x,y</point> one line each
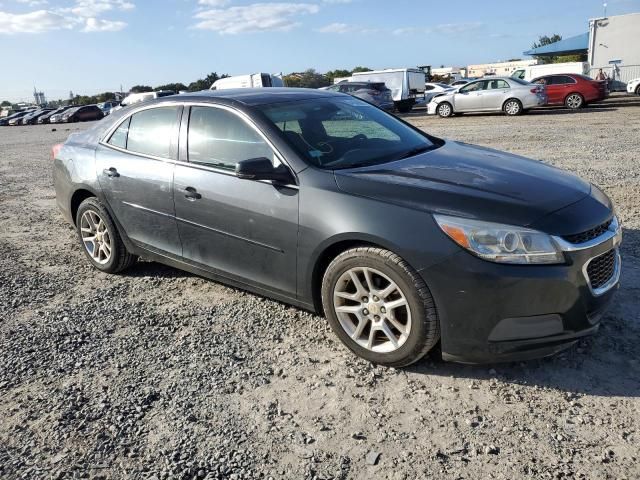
<point>604,6</point>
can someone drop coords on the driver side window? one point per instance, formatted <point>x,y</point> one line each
<point>472,87</point>
<point>220,138</point>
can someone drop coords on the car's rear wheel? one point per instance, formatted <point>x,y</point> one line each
<point>379,307</point>
<point>100,239</point>
<point>445,110</point>
<point>574,101</point>
<point>513,107</point>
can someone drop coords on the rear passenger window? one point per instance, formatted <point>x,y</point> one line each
<point>221,139</point>
<point>119,137</point>
<point>151,131</point>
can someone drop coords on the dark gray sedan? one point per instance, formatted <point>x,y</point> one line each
<point>321,200</point>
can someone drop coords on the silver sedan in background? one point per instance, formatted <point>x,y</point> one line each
<point>509,95</point>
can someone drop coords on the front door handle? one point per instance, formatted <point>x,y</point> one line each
<point>111,172</point>
<point>192,194</point>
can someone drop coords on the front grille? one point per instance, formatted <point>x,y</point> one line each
<point>601,269</point>
<point>589,234</point>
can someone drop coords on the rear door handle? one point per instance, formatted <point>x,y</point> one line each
<point>111,172</point>
<point>192,194</point>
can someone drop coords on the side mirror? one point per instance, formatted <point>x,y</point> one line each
<point>262,169</point>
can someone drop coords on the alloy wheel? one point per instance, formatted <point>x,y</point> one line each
<point>512,108</point>
<point>444,110</point>
<point>95,237</point>
<point>574,101</point>
<point>372,309</point>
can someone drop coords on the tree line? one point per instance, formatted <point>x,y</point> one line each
<point>307,79</point>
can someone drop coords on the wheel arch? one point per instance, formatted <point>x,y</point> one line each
<point>79,196</point>
<point>574,92</point>
<point>330,251</point>
<point>449,102</point>
<point>509,99</point>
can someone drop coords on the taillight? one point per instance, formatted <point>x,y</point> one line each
<point>55,150</point>
<point>536,90</point>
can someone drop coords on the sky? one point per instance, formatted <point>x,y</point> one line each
<point>91,46</point>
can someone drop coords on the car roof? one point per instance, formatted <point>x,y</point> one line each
<point>251,96</point>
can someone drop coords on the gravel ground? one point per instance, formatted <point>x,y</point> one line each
<point>160,374</point>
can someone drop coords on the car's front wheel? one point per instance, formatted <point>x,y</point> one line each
<point>445,110</point>
<point>379,307</point>
<point>100,239</point>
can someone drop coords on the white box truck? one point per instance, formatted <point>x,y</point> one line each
<point>255,80</point>
<point>406,84</point>
<point>535,71</point>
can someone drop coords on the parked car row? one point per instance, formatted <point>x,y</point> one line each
<point>66,114</point>
<point>515,96</point>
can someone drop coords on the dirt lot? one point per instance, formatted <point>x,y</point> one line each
<point>160,374</point>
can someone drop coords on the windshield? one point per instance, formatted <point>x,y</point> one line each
<point>336,133</point>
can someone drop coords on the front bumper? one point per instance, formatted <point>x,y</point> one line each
<point>492,312</point>
<point>432,108</point>
<point>631,87</point>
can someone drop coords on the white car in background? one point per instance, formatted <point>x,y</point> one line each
<point>634,86</point>
<point>431,89</point>
<point>141,97</point>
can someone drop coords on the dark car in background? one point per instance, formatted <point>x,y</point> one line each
<point>572,90</point>
<point>32,118</point>
<point>373,92</point>
<point>13,117</point>
<point>85,113</point>
<point>46,118</point>
<point>318,199</point>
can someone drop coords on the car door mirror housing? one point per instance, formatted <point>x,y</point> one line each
<point>262,169</point>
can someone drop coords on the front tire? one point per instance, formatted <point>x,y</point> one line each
<point>638,90</point>
<point>574,101</point>
<point>513,107</point>
<point>379,307</point>
<point>445,110</point>
<point>100,239</point>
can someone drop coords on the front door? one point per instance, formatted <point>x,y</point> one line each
<point>135,169</point>
<point>242,229</point>
<point>470,97</point>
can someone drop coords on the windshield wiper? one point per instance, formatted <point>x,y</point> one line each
<point>414,151</point>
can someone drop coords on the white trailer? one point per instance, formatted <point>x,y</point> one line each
<point>406,84</point>
<point>255,80</point>
<point>535,71</point>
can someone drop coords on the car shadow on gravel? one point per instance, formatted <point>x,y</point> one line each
<point>606,364</point>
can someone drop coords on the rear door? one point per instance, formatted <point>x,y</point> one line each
<point>242,229</point>
<point>135,168</point>
<point>495,94</point>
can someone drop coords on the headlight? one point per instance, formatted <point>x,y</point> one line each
<point>501,243</point>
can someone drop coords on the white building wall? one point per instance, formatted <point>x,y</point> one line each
<point>503,69</point>
<point>616,38</point>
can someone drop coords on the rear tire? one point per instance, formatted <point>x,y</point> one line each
<point>100,239</point>
<point>574,101</point>
<point>445,110</point>
<point>379,307</point>
<point>513,107</point>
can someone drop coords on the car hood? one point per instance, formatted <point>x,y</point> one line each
<point>469,181</point>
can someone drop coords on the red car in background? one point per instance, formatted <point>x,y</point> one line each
<point>572,90</point>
